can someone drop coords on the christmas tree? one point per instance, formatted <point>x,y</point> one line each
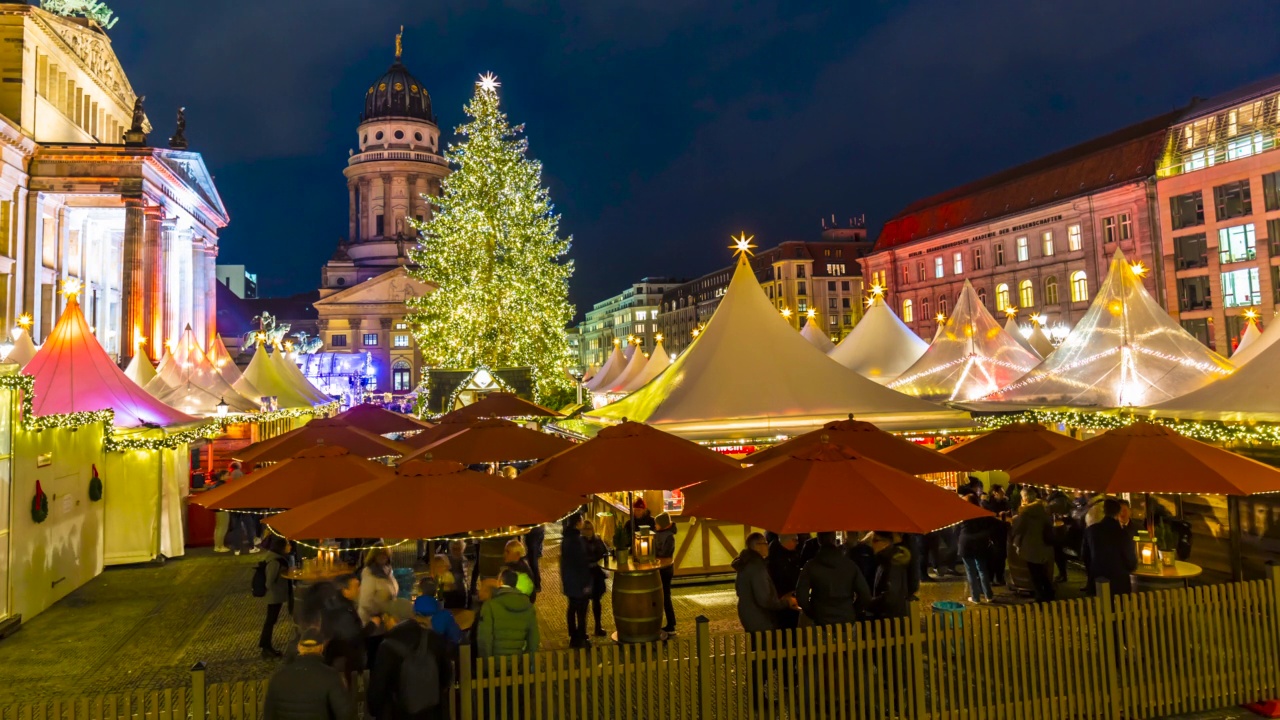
<point>492,250</point>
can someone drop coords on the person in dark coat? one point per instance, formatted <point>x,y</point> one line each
<point>305,688</point>
<point>889,590</point>
<point>996,503</point>
<point>783,560</point>
<point>1031,533</point>
<point>278,591</point>
<point>596,552</point>
<point>759,602</point>
<point>974,545</point>
<point>1111,552</point>
<point>640,517</point>
<point>401,642</point>
<point>664,548</point>
<point>348,635</point>
<point>831,589</point>
<point>575,580</point>
<point>533,541</point>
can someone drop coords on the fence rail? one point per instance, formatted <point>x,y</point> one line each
<point>1132,656</point>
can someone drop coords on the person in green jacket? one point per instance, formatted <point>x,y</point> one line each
<point>508,622</point>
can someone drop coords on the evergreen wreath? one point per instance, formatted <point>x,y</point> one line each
<point>95,485</point>
<point>39,505</point>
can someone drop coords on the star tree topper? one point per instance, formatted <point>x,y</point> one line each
<point>489,82</point>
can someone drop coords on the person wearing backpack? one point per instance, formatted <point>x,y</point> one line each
<point>306,688</point>
<point>270,584</point>
<point>411,676</point>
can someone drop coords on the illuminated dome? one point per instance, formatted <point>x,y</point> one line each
<point>397,94</point>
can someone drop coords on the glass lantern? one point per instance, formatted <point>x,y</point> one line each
<point>642,546</point>
<point>1148,552</point>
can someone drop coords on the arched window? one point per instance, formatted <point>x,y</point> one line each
<point>1051,290</point>
<point>907,314</point>
<point>1079,287</point>
<point>942,304</point>
<point>982,296</point>
<point>1026,294</point>
<point>1002,296</point>
<point>924,307</point>
<point>401,376</point>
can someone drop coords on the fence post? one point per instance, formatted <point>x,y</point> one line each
<point>198,693</point>
<point>1273,575</point>
<point>917,640</point>
<point>465,680</point>
<point>1109,634</point>
<point>703,634</point>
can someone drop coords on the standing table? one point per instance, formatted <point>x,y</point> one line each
<point>1162,578</point>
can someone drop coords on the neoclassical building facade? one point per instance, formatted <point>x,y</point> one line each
<point>85,195</point>
<point>365,285</point>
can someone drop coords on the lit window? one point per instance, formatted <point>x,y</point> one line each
<point>1073,237</point>
<point>401,376</point>
<point>907,314</point>
<point>937,267</point>
<point>957,262</point>
<point>1079,287</point>
<point>1108,230</point>
<point>802,306</point>
<point>1240,288</point>
<point>639,327</point>
<point>1051,290</point>
<point>370,339</point>
<point>1236,244</point>
<point>642,315</point>
<point>1026,294</point>
<point>977,258</point>
<point>1002,296</point>
<point>1046,243</point>
<point>835,268</point>
<point>402,326</point>
<point>401,341</point>
<point>1126,227</point>
<point>1024,252</point>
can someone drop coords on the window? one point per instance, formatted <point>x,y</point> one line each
<point>400,341</point>
<point>1199,327</point>
<point>1232,200</point>
<point>937,267</point>
<point>642,314</point>
<point>924,307</point>
<point>1046,243</point>
<point>982,296</point>
<point>835,268</point>
<point>401,376</point>
<point>999,251</point>
<point>1244,147</point>
<point>1271,191</point>
<point>377,225</point>
<point>831,286</point>
<point>1240,288</point>
<point>1126,227</point>
<point>1002,296</point>
<point>1024,253</point>
<point>848,319</point>
<point>832,320</point>
<point>402,326</point>
<point>1026,294</point>
<point>338,341</point>
<point>1236,244</point>
<point>831,303</point>
<point>799,271</point>
<point>844,302</point>
<point>639,327</point>
<point>907,315</point>
<point>977,258</point>
<point>942,304</point>
<point>957,262</point>
<point>906,275</point>
<point>1193,293</point>
<point>1051,290</point>
<point>370,339</point>
<point>844,286</point>
<point>1108,230</point>
<point>802,306</point>
<point>1186,210</point>
<point>1273,237</point>
<point>1191,251</point>
<point>800,289</point>
<point>1079,287</point>
<point>920,272</point>
<point>1073,238</point>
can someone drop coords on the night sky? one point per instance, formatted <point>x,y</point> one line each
<point>665,126</point>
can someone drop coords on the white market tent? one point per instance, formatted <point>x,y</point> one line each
<point>23,349</point>
<point>634,367</point>
<point>140,370</point>
<point>612,368</point>
<point>222,361</point>
<point>814,334</point>
<point>970,357</point>
<point>749,373</point>
<point>1250,336</point>
<point>1012,327</point>
<point>880,347</point>
<point>186,380</point>
<point>288,370</point>
<point>1125,352</point>
<point>658,362</point>
<point>1250,394</point>
<point>264,375</point>
<point>1040,342</point>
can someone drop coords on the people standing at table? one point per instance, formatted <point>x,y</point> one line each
<point>306,688</point>
<point>783,562</point>
<point>508,623</point>
<point>759,602</point>
<point>596,552</point>
<point>831,589</point>
<point>975,552</point>
<point>889,591</point>
<point>664,548</point>
<point>996,503</point>
<point>1110,551</point>
<point>411,677</point>
<point>1031,532</point>
<point>378,588</point>
<point>575,580</point>
<point>276,586</point>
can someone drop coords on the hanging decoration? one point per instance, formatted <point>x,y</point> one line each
<point>95,485</point>
<point>39,505</point>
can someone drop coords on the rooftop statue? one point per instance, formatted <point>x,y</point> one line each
<point>95,10</point>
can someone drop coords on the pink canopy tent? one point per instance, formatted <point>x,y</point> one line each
<point>74,374</point>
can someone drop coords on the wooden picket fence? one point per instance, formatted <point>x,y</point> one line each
<point>1135,656</point>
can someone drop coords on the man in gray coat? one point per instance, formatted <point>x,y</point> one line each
<point>1031,540</point>
<point>758,601</point>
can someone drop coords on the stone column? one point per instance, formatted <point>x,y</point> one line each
<point>365,223</point>
<point>171,294</point>
<point>199,294</point>
<point>415,200</point>
<point>153,317</point>
<point>353,223</point>
<point>133,323</point>
<point>388,228</point>
<point>208,270</point>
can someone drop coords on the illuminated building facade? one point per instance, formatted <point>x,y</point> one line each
<point>84,195</point>
<point>1218,189</point>
<point>633,313</point>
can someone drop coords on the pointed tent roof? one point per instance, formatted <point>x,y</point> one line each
<point>612,367</point>
<point>1250,336</point>
<point>140,370</point>
<point>750,372</point>
<point>1269,336</point>
<point>658,362</point>
<point>634,367</point>
<point>187,380</point>
<point>74,374</point>
<point>1040,342</point>
<point>289,372</point>
<point>971,356</point>
<point>1012,327</point>
<point>1250,394</point>
<point>264,375</point>
<point>814,334</point>
<point>222,361</point>
<point>1125,352</point>
<point>23,349</point>
<point>880,346</point>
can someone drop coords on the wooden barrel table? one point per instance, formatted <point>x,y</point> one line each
<point>637,601</point>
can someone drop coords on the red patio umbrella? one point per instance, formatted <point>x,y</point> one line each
<point>380,421</point>
<point>423,500</point>
<point>828,488</point>
<point>870,441</point>
<point>629,456</point>
<point>321,432</point>
<point>312,473</point>
<point>500,405</point>
<point>491,441</point>
<point>443,429</point>
<point>1010,446</point>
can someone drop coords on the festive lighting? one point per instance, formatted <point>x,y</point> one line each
<point>489,83</point>
<point>696,332</point>
<point>1037,319</point>
<point>940,317</point>
<point>742,244</point>
<point>786,312</point>
<point>877,290</point>
<point>222,407</point>
<point>631,340</point>
<point>658,337</point>
<point>25,322</point>
<point>1138,269</point>
<point>1250,314</point>
<point>71,288</point>
<point>811,313</point>
<point>1011,311</point>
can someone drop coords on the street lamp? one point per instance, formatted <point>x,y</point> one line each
<point>222,407</point>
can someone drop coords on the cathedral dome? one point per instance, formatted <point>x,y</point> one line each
<point>397,94</point>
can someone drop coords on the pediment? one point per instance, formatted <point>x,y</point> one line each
<point>190,168</point>
<point>393,286</point>
<point>93,49</point>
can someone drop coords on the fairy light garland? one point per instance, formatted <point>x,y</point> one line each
<point>1207,431</point>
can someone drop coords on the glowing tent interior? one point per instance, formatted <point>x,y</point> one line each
<point>880,347</point>
<point>1012,327</point>
<point>971,356</point>
<point>1125,352</point>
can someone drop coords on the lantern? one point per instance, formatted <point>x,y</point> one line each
<point>642,546</point>
<point>222,407</point>
<point>1148,553</point>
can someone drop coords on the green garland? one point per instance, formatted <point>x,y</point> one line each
<point>1208,431</point>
